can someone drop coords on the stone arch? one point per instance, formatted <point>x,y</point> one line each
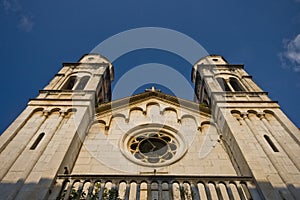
<point>113,117</point>
<point>80,72</point>
<point>136,108</point>
<point>228,74</point>
<point>205,126</point>
<point>205,123</point>
<point>72,110</point>
<point>55,110</point>
<point>237,115</point>
<point>33,112</point>
<point>236,84</point>
<point>153,109</point>
<point>136,114</point>
<point>152,103</point>
<point>235,112</point>
<point>99,122</point>
<point>37,110</point>
<point>169,109</point>
<point>269,112</point>
<point>170,114</point>
<point>188,116</point>
<point>252,112</point>
<point>97,126</point>
<point>72,79</point>
<point>229,83</point>
<point>118,115</point>
<point>69,83</point>
<point>270,116</point>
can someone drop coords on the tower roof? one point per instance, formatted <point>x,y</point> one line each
<point>208,60</point>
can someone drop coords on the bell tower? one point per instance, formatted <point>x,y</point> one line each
<point>46,137</point>
<point>261,140</point>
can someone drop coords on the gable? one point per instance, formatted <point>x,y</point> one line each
<point>124,137</point>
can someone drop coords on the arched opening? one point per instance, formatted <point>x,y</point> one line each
<point>82,83</point>
<point>223,84</point>
<point>235,84</point>
<point>70,83</point>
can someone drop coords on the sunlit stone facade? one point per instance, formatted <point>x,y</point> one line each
<point>73,142</point>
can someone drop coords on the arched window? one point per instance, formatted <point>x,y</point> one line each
<point>223,84</point>
<point>37,141</point>
<point>235,84</point>
<point>82,83</point>
<point>70,83</point>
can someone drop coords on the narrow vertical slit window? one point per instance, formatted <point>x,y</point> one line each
<point>37,141</point>
<point>270,142</point>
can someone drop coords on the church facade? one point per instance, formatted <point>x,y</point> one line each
<point>73,142</point>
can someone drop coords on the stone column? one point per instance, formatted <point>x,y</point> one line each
<point>272,171</point>
<point>30,157</point>
<point>283,139</point>
<point>14,149</point>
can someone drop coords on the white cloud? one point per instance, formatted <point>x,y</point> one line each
<point>25,21</point>
<point>291,56</point>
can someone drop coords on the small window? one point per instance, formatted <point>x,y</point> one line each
<point>37,141</point>
<point>270,142</point>
<point>83,81</point>
<point>223,84</point>
<point>236,84</point>
<point>70,83</point>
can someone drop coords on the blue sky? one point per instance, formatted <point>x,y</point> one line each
<point>37,36</point>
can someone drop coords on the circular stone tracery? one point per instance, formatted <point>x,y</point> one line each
<point>153,146</point>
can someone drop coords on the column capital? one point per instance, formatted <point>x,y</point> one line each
<point>46,113</point>
<point>62,113</point>
<point>261,115</point>
<point>244,115</point>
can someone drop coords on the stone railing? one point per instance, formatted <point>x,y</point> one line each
<point>153,187</point>
<point>241,96</point>
<point>64,94</point>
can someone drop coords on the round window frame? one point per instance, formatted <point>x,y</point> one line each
<point>153,128</point>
